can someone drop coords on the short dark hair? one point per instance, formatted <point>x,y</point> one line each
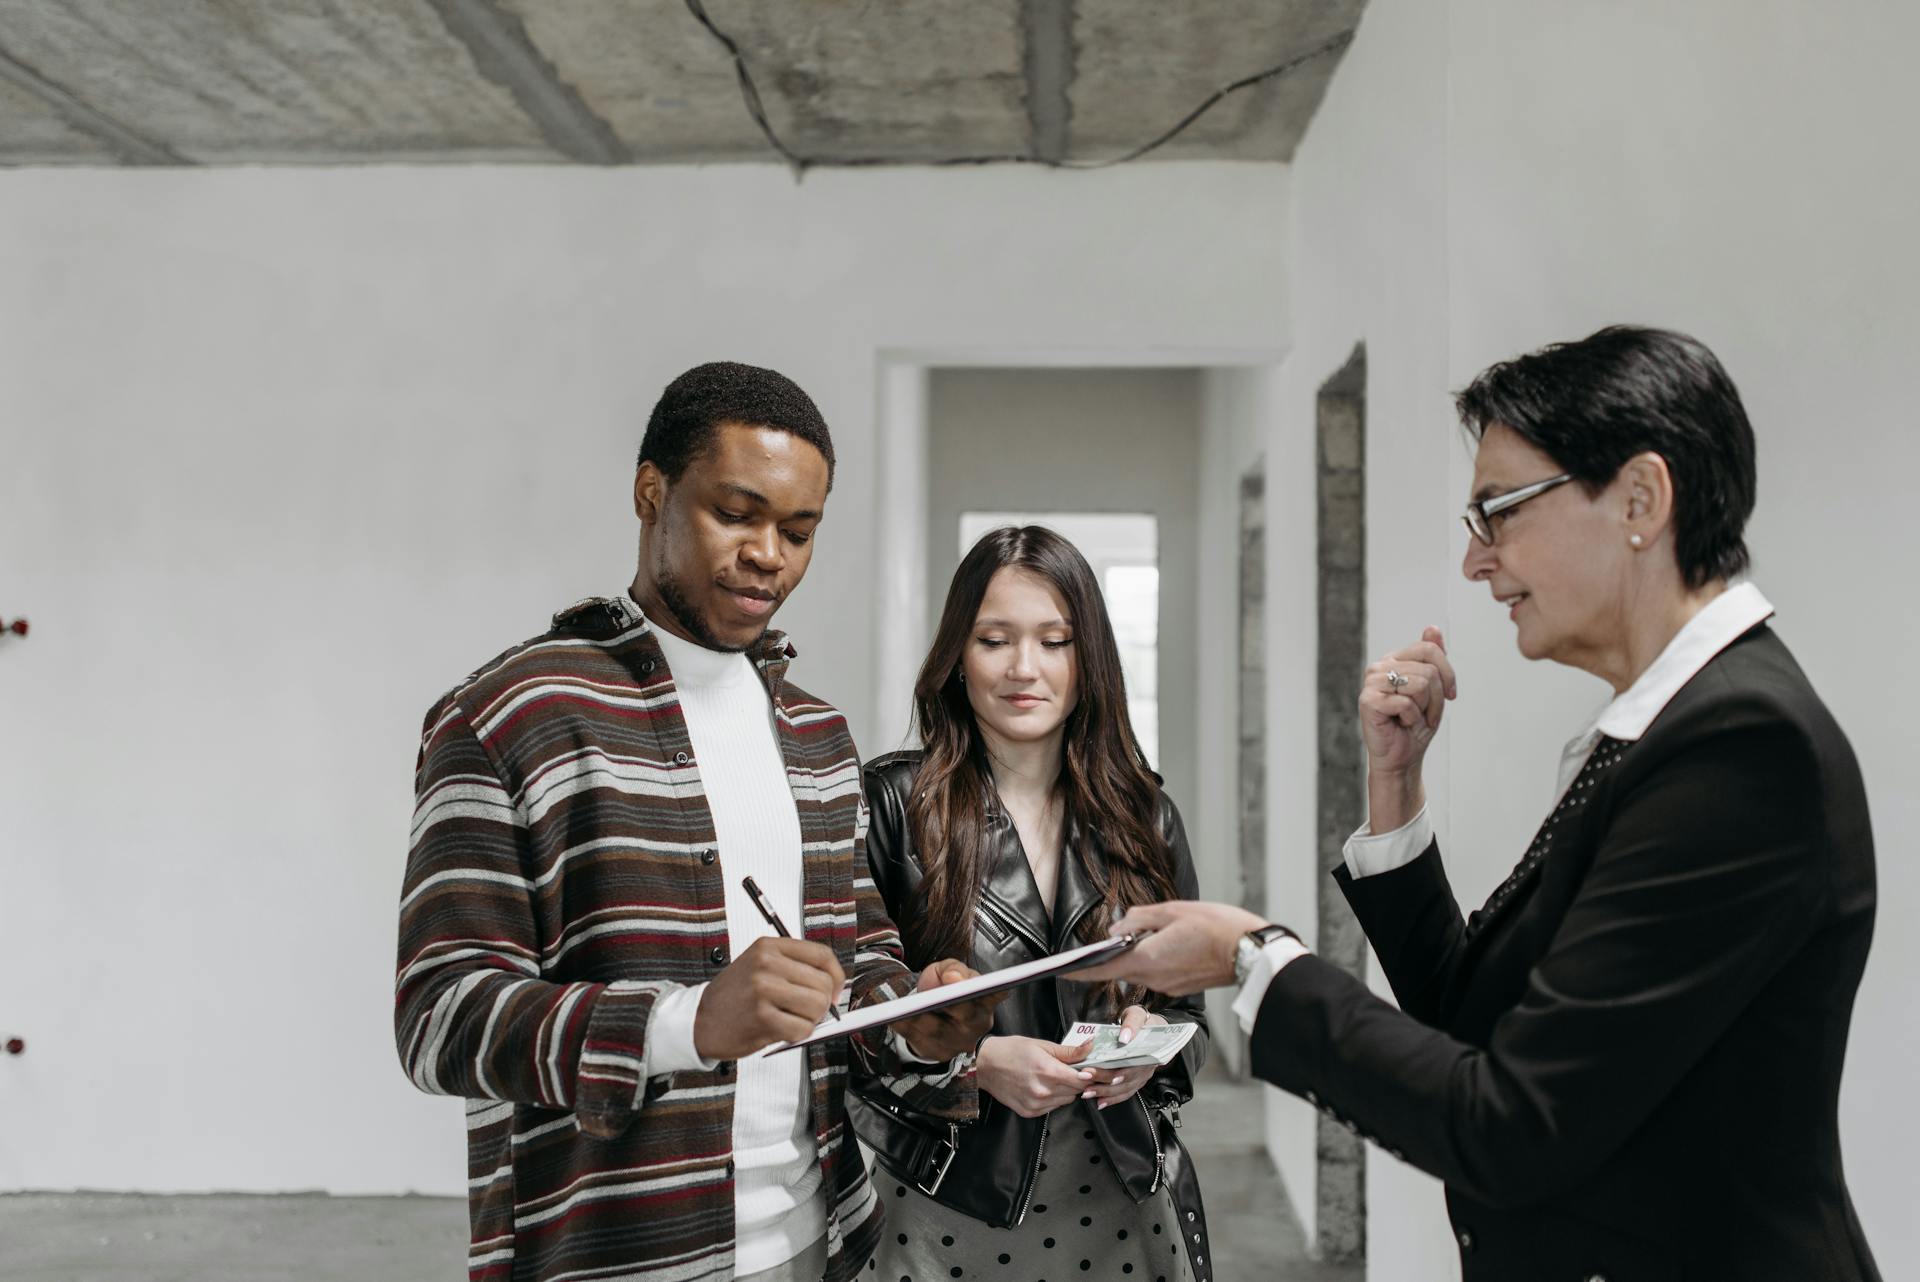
<point>699,401</point>
<point>1594,404</point>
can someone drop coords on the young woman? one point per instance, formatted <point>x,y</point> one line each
<point>1026,823</point>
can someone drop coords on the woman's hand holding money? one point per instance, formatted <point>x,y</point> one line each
<point>1033,1077</point>
<point>1126,1083</point>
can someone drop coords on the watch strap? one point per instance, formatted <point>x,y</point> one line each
<point>1250,945</point>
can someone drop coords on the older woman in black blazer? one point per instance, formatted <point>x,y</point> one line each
<point>1625,1065</point>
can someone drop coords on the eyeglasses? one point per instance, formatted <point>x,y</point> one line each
<point>1478,516</point>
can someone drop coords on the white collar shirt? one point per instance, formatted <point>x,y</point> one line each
<point>1720,623</point>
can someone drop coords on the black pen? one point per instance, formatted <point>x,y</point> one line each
<point>779,927</point>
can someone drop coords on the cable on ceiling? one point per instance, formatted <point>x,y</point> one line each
<point>750,92</point>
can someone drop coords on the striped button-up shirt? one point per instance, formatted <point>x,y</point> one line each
<point>563,874</point>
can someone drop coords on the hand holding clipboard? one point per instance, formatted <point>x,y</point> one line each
<point>936,1030</point>
<point>927,1000</point>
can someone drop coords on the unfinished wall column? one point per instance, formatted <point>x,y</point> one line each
<point>1340,453</point>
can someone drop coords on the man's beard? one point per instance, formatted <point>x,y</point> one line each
<point>689,619</point>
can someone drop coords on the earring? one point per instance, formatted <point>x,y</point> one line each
<point>962,677</point>
<point>1634,539</point>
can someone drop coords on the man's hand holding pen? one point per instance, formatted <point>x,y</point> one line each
<point>775,991</point>
<point>779,990</point>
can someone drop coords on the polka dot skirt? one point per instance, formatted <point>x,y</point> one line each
<point>1081,1225</point>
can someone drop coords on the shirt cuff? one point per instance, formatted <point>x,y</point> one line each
<point>905,1051</point>
<point>1369,856</point>
<point>670,1033</point>
<point>1272,960</point>
<point>952,1068</point>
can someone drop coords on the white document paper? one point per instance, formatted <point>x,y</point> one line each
<point>920,1002</point>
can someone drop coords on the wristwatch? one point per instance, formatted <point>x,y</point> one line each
<point>1249,946</point>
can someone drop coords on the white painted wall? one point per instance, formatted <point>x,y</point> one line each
<point>1241,410</point>
<point>1490,175</point>
<point>283,454</point>
<point>1369,254</point>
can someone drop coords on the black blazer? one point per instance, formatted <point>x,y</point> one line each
<point>1628,1066</point>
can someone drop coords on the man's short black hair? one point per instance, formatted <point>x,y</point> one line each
<point>1594,404</point>
<point>699,401</point>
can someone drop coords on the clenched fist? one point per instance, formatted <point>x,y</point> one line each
<point>1402,698</point>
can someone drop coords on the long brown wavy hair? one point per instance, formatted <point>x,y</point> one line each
<point>1110,794</point>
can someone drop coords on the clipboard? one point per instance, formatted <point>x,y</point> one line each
<point>994,981</point>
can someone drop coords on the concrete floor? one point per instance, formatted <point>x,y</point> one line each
<point>63,1237</point>
<point>102,1237</point>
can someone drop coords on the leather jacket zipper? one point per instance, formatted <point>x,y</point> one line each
<point>1011,923</point>
<point>1033,1175</point>
<point>1153,1133</point>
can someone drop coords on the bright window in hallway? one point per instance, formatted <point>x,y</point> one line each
<point>1123,549</point>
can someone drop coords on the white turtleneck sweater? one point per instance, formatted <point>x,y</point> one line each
<point>778,1207</point>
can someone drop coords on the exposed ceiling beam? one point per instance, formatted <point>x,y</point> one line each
<point>131,147</point>
<point>505,54</point>
<point>1048,25</point>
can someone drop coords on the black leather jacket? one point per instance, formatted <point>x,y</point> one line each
<point>987,1170</point>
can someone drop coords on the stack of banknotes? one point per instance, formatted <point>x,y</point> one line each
<point>1155,1044</point>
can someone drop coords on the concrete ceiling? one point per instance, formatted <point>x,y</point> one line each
<point>314,82</point>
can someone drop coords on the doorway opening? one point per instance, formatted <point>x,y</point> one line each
<point>1110,459</point>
